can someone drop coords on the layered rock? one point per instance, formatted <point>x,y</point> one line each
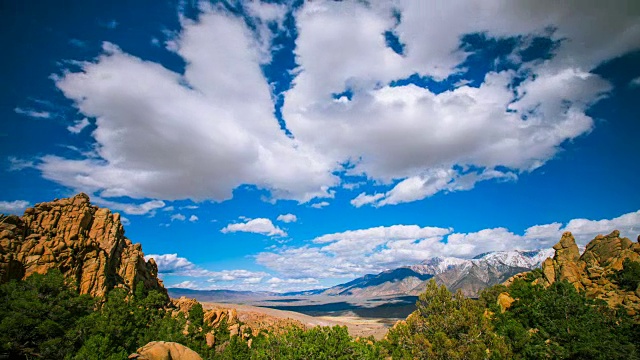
<point>85,242</point>
<point>592,272</point>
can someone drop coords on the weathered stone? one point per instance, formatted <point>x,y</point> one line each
<point>183,305</point>
<point>86,243</point>
<point>234,330</point>
<point>566,249</point>
<point>211,339</point>
<point>505,301</point>
<point>592,272</point>
<point>161,350</point>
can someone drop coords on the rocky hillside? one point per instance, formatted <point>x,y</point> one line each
<point>85,242</point>
<point>594,271</point>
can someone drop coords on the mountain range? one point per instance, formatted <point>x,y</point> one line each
<point>467,275</point>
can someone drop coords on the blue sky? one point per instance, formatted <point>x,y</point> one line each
<point>290,145</point>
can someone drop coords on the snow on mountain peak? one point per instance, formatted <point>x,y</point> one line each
<point>514,258</point>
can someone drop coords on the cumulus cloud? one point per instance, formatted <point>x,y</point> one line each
<point>148,207</point>
<point>232,275</point>
<point>187,284</point>
<point>287,218</point>
<point>357,252</point>
<point>259,226</point>
<point>172,264</point>
<point>364,199</point>
<point>16,207</point>
<point>178,217</point>
<point>412,134</point>
<point>193,218</point>
<point>415,140</point>
<point>144,112</point>
<point>78,126</point>
<point>429,183</point>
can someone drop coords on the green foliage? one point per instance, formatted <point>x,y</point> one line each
<point>629,277</point>
<point>560,323</point>
<point>43,318</point>
<point>315,343</point>
<point>446,327</point>
<point>38,316</point>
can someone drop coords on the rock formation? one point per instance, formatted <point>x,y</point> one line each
<point>240,323</point>
<point>592,272</point>
<point>86,243</point>
<point>162,350</point>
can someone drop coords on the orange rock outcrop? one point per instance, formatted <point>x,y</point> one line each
<point>85,242</point>
<point>592,272</point>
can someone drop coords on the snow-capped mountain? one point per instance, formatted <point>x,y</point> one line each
<point>468,275</point>
<point>514,258</point>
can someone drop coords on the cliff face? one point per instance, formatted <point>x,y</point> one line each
<point>592,271</point>
<point>85,242</point>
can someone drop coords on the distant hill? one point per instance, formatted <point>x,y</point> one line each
<point>391,282</point>
<point>227,296</point>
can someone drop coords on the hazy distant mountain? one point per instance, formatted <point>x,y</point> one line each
<point>219,295</point>
<point>391,282</point>
<point>468,275</point>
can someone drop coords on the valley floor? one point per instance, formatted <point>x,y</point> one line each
<point>358,326</point>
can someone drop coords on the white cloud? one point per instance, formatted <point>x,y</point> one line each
<point>252,280</point>
<point>259,226</point>
<point>357,252</point>
<point>168,208</point>
<point>144,112</point>
<point>171,263</point>
<point>16,207</point>
<point>412,134</point>
<point>406,135</point>
<point>287,218</point>
<point>124,220</point>
<point>189,207</point>
<point>148,207</point>
<point>429,183</point>
<point>178,217</point>
<point>276,280</point>
<point>320,205</point>
<point>364,199</point>
<point>232,275</point>
<point>193,218</point>
<point>78,126</point>
<point>185,285</point>
<point>635,82</point>
<point>33,113</point>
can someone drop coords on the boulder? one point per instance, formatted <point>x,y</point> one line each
<point>161,350</point>
<point>505,301</point>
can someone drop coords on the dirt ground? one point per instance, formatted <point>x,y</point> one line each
<point>357,326</point>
